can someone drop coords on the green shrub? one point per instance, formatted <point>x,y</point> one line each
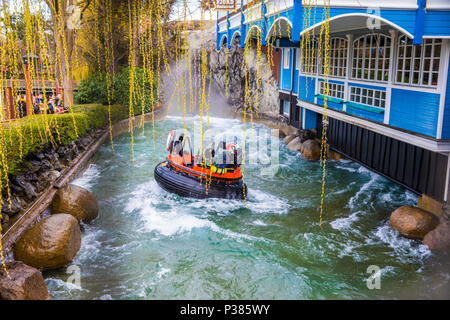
<point>99,115</point>
<point>26,137</point>
<point>94,90</point>
<point>122,91</point>
<point>31,135</point>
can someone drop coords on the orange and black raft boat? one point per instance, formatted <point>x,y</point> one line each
<point>213,174</point>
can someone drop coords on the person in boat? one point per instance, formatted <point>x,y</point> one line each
<point>178,144</point>
<point>223,159</point>
<point>184,174</point>
<point>227,158</point>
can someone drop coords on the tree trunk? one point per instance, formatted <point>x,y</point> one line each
<point>64,71</point>
<point>136,31</point>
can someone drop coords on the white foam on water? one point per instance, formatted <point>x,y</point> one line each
<point>349,250</point>
<point>89,177</point>
<point>63,285</point>
<point>257,201</point>
<point>170,223</point>
<point>163,272</point>
<point>175,218</point>
<point>387,270</point>
<point>343,190</point>
<point>352,203</point>
<point>345,223</point>
<point>347,168</point>
<point>259,223</point>
<point>173,222</point>
<point>386,197</point>
<point>263,202</point>
<point>404,248</point>
<point>363,169</point>
<point>410,197</point>
<point>90,245</point>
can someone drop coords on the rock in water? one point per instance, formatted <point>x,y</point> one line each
<point>288,139</point>
<point>76,201</point>
<point>278,133</point>
<point>51,243</point>
<point>295,144</point>
<point>439,238</point>
<point>333,155</point>
<point>311,150</point>
<point>413,222</point>
<point>290,131</point>
<point>25,283</point>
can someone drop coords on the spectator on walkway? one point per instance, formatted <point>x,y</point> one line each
<point>22,106</point>
<point>51,106</point>
<point>36,105</point>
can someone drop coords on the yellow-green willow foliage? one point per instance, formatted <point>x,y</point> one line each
<point>85,37</point>
<point>310,64</point>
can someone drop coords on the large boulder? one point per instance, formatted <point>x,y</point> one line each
<point>439,238</point>
<point>413,222</point>
<point>295,144</point>
<point>24,283</point>
<point>311,150</point>
<point>288,139</point>
<point>290,131</point>
<point>51,243</point>
<point>76,201</point>
<point>333,155</point>
<point>278,133</point>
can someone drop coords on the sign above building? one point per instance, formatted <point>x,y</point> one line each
<point>219,5</point>
<point>225,5</point>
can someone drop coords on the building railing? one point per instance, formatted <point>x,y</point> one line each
<point>20,84</point>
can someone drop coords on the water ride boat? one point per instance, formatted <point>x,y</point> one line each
<point>214,173</point>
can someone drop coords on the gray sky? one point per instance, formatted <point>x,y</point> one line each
<point>194,9</point>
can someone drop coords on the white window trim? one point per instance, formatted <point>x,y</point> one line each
<point>340,87</point>
<point>288,114</point>
<point>337,58</point>
<point>286,60</point>
<point>421,66</point>
<point>305,67</point>
<point>414,139</point>
<point>442,87</point>
<point>377,57</point>
<point>367,96</point>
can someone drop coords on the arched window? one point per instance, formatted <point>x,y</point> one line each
<point>418,65</point>
<point>338,58</point>
<point>224,42</point>
<point>371,57</point>
<point>306,61</point>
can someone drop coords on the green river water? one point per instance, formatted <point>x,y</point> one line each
<point>149,244</point>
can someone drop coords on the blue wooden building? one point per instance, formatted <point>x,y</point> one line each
<point>389,99</point>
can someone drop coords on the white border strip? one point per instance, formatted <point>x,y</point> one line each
<point>381,129</point>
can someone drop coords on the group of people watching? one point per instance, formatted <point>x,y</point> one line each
<point>53,104</point>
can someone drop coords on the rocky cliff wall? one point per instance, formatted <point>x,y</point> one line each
<point>233,77</point>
